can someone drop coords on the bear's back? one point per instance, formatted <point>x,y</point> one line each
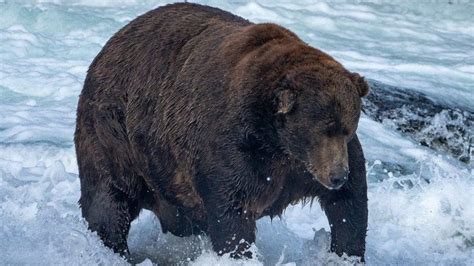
<point>148,50</point>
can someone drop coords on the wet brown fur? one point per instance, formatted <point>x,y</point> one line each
<point>212,122</point>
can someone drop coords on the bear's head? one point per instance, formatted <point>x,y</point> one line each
<point>315,102</point>
<point>317,112</point>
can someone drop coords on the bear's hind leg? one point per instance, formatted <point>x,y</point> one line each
<point>111,196</point>
<point>112,188</point>
<point>109,212</point>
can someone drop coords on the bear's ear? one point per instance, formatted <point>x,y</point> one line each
<point>360,83</point>
<point>285,96</point>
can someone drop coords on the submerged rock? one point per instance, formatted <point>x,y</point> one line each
<point>432,124</point>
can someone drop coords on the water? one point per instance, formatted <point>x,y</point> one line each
<point>420,199</point>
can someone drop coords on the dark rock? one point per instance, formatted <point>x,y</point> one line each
<point>440,127</point>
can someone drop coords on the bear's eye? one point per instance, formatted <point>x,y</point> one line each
<point>332,129</point>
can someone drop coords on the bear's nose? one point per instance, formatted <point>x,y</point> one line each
<point>338,178</point>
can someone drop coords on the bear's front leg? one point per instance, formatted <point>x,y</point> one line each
<point>346,208</point>
<point>232,230</point>
<point>348,222</point>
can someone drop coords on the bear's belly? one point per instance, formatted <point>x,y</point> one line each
<point>184,192</point>
<point>180,209</point>
<point>178,220</point>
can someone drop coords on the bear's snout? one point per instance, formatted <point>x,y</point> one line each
<point>338,177</point>
<point>333,179</point>
<point>329,163</point>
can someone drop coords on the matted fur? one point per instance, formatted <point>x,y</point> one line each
<point>212,122</point>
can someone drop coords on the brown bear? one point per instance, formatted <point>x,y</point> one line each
<point>213,122</point>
